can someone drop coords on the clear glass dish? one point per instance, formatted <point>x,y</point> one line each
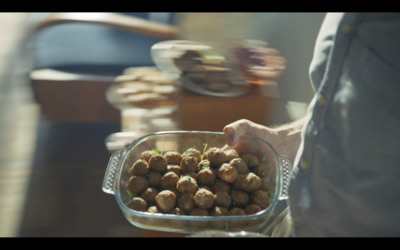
<point>117,176</point>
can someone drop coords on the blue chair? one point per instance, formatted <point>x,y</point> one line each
<point>76,57</point>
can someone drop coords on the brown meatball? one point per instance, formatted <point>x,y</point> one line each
<point>251,183</point>
<point>186,202</point>
<point>240,198</point>
<point>149,194</point>
<point>189,164</point>
<point>260,198</point>
<point>174,168</point>
<point>236,211</point>
<point>220,185</point>
<point>206,176</point>
<point>262,170</point>
<point>177,211</point>
<point>227,172</point>
<point>199,212</point>
<point>238,224</point>
<point>139,167</point>
<point>203,164</point>
<point>204,198</point>
<point>137,184</point>
<point>252,209</point>
<point>165,200</point>
<point>169,180</point>
<point>173,157</point>
<point>240,165</point>
<point>192,152</point>
<point>154,179</point>
<point>219,211</point>
<point>186,184</point>
<point>264,184</point>
<point>145,155</point>
<point>231,154</point>
<point>239,182</point>
<point>251,160</point>
<point>223,199</point>
<point>216,156</point>
<point>137,204</point>
<point>158,163</point>
<point>153,209</point>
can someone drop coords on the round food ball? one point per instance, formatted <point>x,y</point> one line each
<point>206,176</point>
<point>189,164</point>
<point>177,211</point>
<point>260,198</point>
<point>169,180</point>
<point>137,204</point>
<point>192,152</point>
<point>174,168</point>
<point>203,164</point>
<point>145,155</point>
<point>153,209</point>
<point>154,179</point>
<point>140,167</point>
<point>237,224</point>
<point>264,184</point>
<point>219,211</point>
<point>165,200</point>
<point>158,163</point>
<point>223,199</point>
<point>231,154</point>
<point>216,156</point>
<point>239,182</point>
<point>240,198</point>
<point>199,212</point>
<point>227,172</point>
<point>137,184</point>
<point>173,157</point>
<point>186,202</point>
<point>240,165</point>
<point>220,185</point>
<point>204,198</point>
<point>149,194</point>
<point>186,184</point>
<point>262,170</point>
<point>252,209</point>
<point>251,182</point>
<point>251,160</point>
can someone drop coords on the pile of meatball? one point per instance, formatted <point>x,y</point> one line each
<point>217,183</point>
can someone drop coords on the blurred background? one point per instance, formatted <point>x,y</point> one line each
<point>51,171</point>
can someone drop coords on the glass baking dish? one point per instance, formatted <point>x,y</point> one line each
<point>117,176</point>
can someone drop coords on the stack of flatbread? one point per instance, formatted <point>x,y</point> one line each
<point>147,87</point>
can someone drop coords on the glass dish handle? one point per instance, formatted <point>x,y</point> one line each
<point>111,171</point>
<point>286,168</point>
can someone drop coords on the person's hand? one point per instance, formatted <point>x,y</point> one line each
<point>285,139</point>
<point>234,132</point>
